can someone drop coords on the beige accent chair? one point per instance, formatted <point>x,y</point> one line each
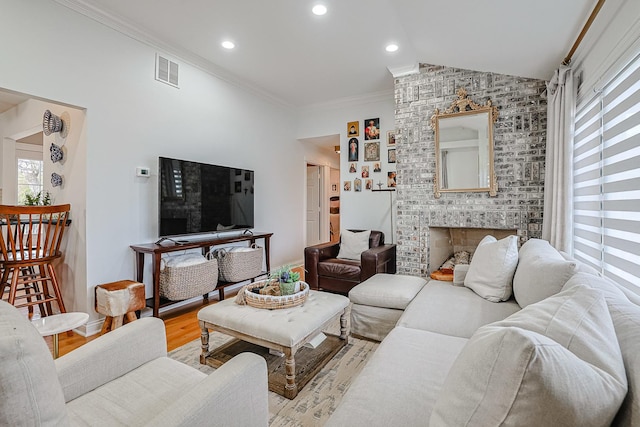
<point>122,378</point>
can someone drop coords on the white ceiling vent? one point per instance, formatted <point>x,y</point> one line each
<point>166,71</point>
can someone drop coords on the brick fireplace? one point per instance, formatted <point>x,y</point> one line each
<point>519,153</point>
<point>445,241</point>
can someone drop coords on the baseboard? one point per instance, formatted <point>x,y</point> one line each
<point>90,328</point>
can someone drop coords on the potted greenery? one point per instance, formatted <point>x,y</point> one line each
<point>287,278</point>
<point>39,199</point>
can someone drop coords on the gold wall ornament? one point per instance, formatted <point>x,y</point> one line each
<point>464,104</point>
<point>464,146</point>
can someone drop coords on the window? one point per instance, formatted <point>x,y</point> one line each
<point>30,178</point>
<point>607,179</point>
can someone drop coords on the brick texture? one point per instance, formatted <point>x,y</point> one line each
<point>519,153</point>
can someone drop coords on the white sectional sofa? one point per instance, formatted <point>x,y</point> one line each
<point>563,350</point>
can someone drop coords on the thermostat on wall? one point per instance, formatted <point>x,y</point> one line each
<point>143,172</point>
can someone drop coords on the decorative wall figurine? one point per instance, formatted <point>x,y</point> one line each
<point>56,180</point>
<point>56,153</point>
<point>52,123</point>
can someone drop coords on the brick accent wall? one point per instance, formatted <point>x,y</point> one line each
<point>519,154</point>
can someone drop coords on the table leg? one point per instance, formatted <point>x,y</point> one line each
<point>290,388</point>
<point>204,339</point>
<point>156,285</point>
<point>344,332</point>
<point>56,346</point>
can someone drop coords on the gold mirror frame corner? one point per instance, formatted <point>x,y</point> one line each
<point>462,106</point>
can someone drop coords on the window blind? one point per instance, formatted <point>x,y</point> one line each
<point>607,179</point>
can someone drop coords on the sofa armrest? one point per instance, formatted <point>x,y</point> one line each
<point>381,259</point>
<point>234,394</point>
<point>459,273</point>
<point>111,356</point>
<point>313,255</point>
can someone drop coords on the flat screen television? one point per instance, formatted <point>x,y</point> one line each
<point>198,198</point>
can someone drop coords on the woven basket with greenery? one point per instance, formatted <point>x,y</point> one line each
<point>274,301</point>
<point>180,283</point>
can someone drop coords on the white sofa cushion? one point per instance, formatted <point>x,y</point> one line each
<point>400,384</point>
<point>352,244</point>
<point>561,354</point>
<point>453,310</point>
<point>626,321</point>
<point>542,271</point>
<point>491,270</point>
<point>30,393</point>
<point>387,290</point>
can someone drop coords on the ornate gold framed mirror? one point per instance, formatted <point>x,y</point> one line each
<point>464,147</point>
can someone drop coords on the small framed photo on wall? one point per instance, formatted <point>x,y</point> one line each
<point>346,186</point>
<point>365,171</point>
<point>391,138</point>
<point>357,184</point>
<point>353,150</point>
<point>391,155</point>
<point>371,151</point>
<point>353,168</point>
<point>353,129</point>
<point>391,179</point>
<point>372,129</point>
<point>368,184</point>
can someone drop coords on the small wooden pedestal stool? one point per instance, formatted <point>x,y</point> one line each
<point>117,300</point>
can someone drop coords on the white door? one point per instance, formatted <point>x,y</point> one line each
<point>313,205</point>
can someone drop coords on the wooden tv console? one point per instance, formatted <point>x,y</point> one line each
<point>171,245</point>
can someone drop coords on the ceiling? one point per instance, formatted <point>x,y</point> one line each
<point>288,54</point>
<point>300,59</point>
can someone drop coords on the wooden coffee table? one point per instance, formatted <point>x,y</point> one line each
<point>283,330</point>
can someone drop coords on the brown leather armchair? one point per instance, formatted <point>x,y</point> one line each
<point>323,271</point>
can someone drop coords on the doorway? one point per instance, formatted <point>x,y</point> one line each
<point>314,212</point>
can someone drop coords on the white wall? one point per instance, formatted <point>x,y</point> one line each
<point>366,209</point>
<point>131,119</point>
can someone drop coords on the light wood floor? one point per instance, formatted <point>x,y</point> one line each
<point>181,325</point>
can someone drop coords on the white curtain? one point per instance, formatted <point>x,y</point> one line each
<point>558,188</point>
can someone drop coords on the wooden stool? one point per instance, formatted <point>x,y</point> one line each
<point>118,300</point>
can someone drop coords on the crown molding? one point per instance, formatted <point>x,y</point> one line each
<point>129,29</point>
<point>404,70</point>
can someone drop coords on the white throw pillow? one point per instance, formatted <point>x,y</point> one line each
<point>557,362</point>
<point>352,244</point>
<point>514,377</point>
<point>542,271</point>
<point>492,266</point>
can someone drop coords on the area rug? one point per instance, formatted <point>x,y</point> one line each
<point>317,400</point>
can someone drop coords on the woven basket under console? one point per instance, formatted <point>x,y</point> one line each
<point>239,266</point>
<point>180,283</point>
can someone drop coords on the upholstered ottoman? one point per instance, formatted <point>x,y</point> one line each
<point>285,330</point>
<point>379,301</point>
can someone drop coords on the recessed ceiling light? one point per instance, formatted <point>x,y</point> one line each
<point>319,9</point>
<point>228,44</point>
<point>391,47</point>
